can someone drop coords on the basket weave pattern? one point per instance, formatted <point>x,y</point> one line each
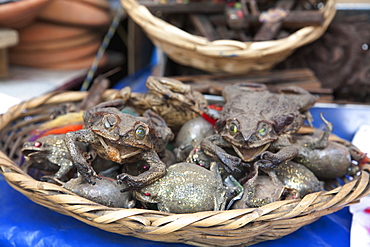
<point>226,228</point>
<point>223,56</point>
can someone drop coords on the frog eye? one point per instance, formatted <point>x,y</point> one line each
<point>37,144</point>
<point>262,131</point>
<point>107,125</point>
<point>109,121</point>
<point>233,128</point>
<point>140,132</point>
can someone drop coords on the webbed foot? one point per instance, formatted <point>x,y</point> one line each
<point>270,160</point>
<point>87,173</point>
<point>230,162</point>
<point>131,181</point>
<point>324,139</point>
<point>265,164</point>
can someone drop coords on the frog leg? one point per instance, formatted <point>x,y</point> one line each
<point>270,160</point>
<point>78,157</point>
<point>65,166</point>
<point>220,200</point>
<point>117,103</point>
<point>306,99</point>
<point>212,146</point>
<point>157,170</point>
<point>167,86</point>
<point>183,152</point>
<point>275,180</point>
<point>249,189</point>
<point>324,139</point>
<point>173,89</point>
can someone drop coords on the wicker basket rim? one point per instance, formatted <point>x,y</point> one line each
<point>161,30</point>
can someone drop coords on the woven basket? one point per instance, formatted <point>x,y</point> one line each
<point>223,56</point>
<point>226,228</point>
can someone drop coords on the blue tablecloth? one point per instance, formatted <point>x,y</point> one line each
<point>24,223</point>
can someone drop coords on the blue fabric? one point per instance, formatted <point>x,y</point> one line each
<point>136,81</point>
<point>346,119</point>
<point>24,223</point>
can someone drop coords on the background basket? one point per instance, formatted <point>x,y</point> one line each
<point>223,56</point>
<point>226,228</point>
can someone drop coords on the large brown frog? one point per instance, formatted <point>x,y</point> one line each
<point>252,119</point>
<point>122,138</point>
<point>173,100</point>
